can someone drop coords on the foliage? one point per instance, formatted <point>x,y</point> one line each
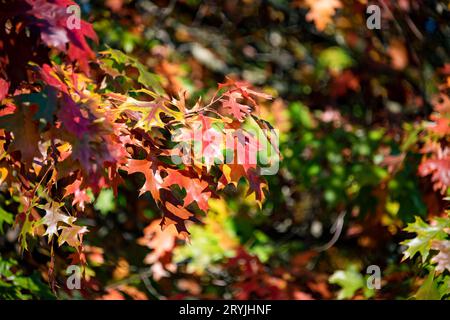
<point>351,281</point>
<point>15,285</point>
<point>101,165</point>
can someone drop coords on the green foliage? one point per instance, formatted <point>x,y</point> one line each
<point>350,281</point>
<point>16,285</point>
<point>335,58</point>
<point>105,202</point>
<point>429,290</point>
<point>146,78</point>
<point>430,238</point>
<point>5,218</point>
<point>425,234</point>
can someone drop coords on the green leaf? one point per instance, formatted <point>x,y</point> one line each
<point>350,280</point>
<point>425,234</point>
<point>149,79</point>
<point>27,228</point>
<point>444,287</point>
<point>262,248</point>
<point>299,112</point>
<point>14,285</point>
<point>207,245</point>
<point>412,135</point>
<point>5,217</point>
<point>146,78</point>
<point>429,290</point>
<point>118,56</point>
<point>105,201</point>
<point>335,58</point>
<point>267,156</point>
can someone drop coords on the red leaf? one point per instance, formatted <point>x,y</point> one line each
<point>72,118</point>
<point>52,19</point>
<point>51,78</point>
<point>4,87</point>
<point>195,188</point>
<point>439,169</point>
<point>244,88</point>
<point>237,110</point>
<point>152,173</point>
<point>25,131</point>
<point>79,195</point>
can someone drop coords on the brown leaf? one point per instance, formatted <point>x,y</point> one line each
<point>442,259</point>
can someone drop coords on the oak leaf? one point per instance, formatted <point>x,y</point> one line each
<point>442,259</point>
<point>26,132</point>
<point>53,219</point>
<point>322,11</point>
<point>72,235</point>
<point>152,172</point>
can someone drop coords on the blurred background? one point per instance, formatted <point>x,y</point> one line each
<point>353,107</point>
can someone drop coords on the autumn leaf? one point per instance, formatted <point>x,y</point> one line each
<point>234,108</point>
<point>73,119</point>
<point>112,294</point>
<point>146,78</point>
<point>196,189</point>
<point>211,142</point>
<point>51,78</point>
<point>80,196</point>
<point>26,133</point>
<point>152,173</point>
<point>53,219</point>
<point>55,32</point>
<point>231,174</point>
<point>72,235</point>
<point>161,242</point>
<point>257,187</point>
<point>133,292</point>
<point>399,54</point>
<point>439,168</point>
<point>147,114</point>
<point>442,259</point>
<point>4,87</point>
<point>244,88</point>
<point>322,11</point>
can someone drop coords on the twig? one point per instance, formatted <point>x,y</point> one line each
<point>336,229</point>
<point>151,289</point>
